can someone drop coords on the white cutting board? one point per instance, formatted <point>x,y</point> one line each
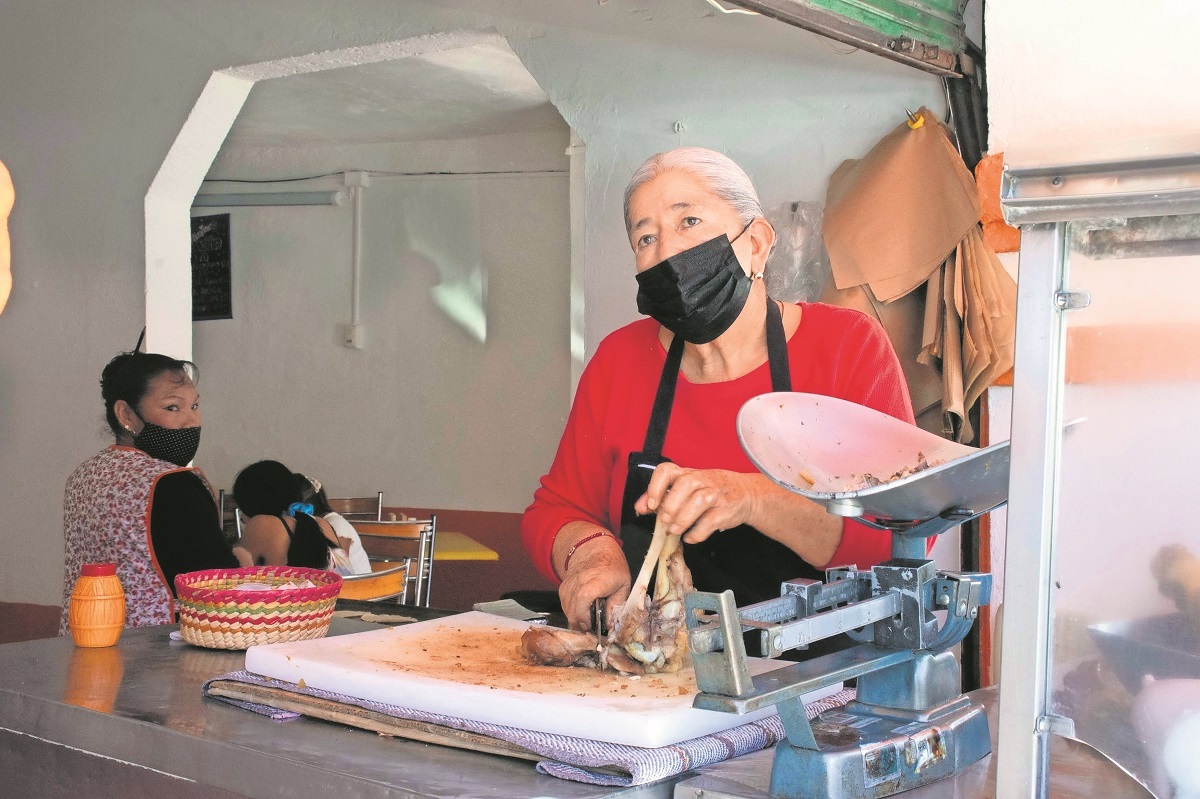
<point>467,666</point>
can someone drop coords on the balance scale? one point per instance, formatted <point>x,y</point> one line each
<point>910,724</point>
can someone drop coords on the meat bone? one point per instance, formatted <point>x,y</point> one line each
<point>644,639</point>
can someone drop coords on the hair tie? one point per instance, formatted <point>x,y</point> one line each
<point>299,507</point>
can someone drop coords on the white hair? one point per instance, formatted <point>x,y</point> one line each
<point>726,179</point>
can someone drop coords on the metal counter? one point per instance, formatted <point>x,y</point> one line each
<point>1076,772</point>
<point>129,721</point>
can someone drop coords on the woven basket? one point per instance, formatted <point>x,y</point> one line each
<point>215,613</point>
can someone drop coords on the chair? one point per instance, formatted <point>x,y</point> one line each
<point>230,516</point>
<point>410,541</point>
<point>354,508</point>
<point>385,583</point>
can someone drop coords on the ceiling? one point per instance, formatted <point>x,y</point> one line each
<point>479,90</point>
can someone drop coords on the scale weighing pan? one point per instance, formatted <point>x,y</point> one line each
<point>821,447</point>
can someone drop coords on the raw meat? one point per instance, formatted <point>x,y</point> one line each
<point>650,635</point>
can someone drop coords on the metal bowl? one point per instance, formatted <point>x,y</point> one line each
<point>820,447</point>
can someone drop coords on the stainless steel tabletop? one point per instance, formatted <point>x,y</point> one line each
<point>129,720</point>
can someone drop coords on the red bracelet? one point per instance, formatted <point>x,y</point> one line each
<point>581,542</point>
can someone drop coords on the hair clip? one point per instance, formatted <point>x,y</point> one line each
<point>299,507</point>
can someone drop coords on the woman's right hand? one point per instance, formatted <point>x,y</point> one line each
<point>597,570</point>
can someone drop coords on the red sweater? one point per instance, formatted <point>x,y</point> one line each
<point>835,351</point>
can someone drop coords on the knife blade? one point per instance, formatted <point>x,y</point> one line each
<point>599,620</point>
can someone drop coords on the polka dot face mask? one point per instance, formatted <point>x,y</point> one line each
<point>177,446</point>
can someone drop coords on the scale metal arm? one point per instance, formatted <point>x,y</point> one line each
<point>719,658</point>
<point>909,725</point>
<point>889,608</point>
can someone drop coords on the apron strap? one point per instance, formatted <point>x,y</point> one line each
<point>777,354</point>
<point>660,414</point>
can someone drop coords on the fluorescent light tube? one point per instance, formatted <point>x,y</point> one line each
<point>268,199</point>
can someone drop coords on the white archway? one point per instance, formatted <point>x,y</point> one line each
<point>169,199</point>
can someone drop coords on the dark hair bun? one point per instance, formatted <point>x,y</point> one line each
<point>265,487</point>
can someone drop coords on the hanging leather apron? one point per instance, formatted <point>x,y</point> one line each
<point>740,559</point>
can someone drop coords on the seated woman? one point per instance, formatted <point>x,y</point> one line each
<point>282,530</point>
<point>136,503</point>
<point>312,492</point>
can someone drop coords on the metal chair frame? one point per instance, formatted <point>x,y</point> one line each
<point>348,507</point>
<point>225,504</point>
<point>421,531</point>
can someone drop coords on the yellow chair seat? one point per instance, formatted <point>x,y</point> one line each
<point>387,582</point>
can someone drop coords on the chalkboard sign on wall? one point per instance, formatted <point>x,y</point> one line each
<point>212,285</point>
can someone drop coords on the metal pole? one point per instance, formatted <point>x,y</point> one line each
<point>356,258</point>
<point>1022,765</point>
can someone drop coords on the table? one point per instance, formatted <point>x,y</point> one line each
<point>449,545</point>
<point>129,720</point>
<point>398,539</point>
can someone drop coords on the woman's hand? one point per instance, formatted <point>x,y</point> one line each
<point>597,569</point>
<point>695,503</point>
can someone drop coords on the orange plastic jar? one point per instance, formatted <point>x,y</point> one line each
<point>96,614</point>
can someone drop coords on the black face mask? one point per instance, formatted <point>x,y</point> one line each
<point>698,293</point>
<point>177,446</point>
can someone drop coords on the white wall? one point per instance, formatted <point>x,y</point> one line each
<point>93,94</point>
<point>1085,80</point>
<point>425,412</point>
<point>1071,73</point>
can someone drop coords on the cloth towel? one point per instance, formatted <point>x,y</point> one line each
<point>569,758</point>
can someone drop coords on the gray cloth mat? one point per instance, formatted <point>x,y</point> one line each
<point>568,758</point>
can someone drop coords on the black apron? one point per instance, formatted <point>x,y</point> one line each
<point>740,559</point>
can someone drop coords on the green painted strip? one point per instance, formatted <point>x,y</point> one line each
<point>936,22</point>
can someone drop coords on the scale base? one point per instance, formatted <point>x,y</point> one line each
<point>866,752</point>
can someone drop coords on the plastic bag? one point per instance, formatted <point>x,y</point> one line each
<point>798,269</point>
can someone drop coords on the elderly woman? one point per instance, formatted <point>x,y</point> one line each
<point>137,503</point>
<point>652,429</point>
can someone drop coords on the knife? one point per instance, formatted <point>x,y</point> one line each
<point>599,620</point>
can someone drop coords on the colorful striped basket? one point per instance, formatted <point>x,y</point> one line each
<point>215,613</point>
